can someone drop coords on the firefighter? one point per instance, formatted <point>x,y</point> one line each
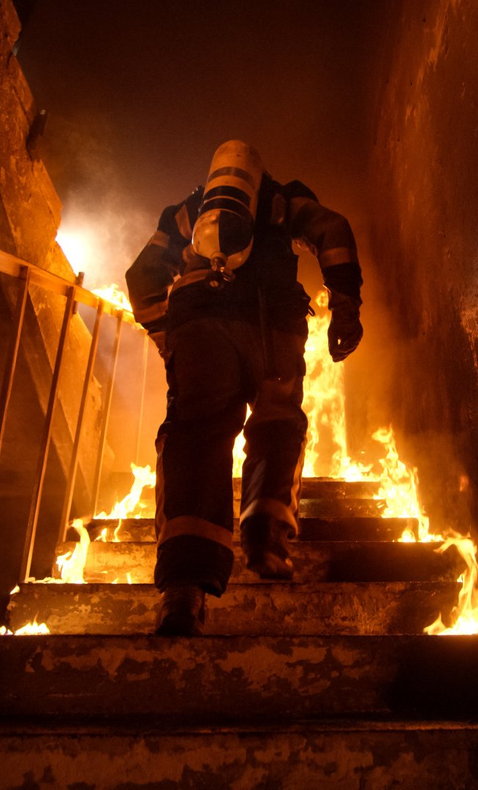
<point>231,326</point>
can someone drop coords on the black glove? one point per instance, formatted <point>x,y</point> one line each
<point>345,330</point>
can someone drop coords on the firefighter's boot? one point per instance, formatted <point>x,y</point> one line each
<point>182,611</point>
<point>264,541</point>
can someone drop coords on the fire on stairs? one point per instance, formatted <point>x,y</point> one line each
<point>328,681</point>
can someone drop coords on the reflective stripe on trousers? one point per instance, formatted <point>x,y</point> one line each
<point>216,369</point>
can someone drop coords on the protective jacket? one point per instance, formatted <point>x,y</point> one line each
<point>166,281</point>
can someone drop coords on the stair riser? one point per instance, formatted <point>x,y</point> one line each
<point>328,488</point>
<point>313,562</point>
<point>213,680</point>
<point>327,508</point>
<point>244,610</point>
<point>364,528</point>
<point>341,508</point>
<point>307,760</point>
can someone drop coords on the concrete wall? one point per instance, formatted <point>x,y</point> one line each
<point>30,208</point>
<point>423,323</point>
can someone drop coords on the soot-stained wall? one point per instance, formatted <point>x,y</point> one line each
<point>423,330</point>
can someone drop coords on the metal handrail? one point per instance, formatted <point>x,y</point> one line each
<point>9,264</point>
<point>45,444</point>
<point>29,274</point>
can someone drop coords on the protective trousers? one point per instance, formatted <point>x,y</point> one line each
<point>216,368</point>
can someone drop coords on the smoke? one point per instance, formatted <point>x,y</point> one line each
<point>103,244</point>
<point>103,227</point>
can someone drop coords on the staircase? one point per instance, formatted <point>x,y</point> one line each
<point>323,682</point>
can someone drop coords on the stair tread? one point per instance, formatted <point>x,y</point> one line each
<point>281,608</point>
<point>313,560</point>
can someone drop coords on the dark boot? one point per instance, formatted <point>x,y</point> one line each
<point>182,611</point>
<point>264,541</point>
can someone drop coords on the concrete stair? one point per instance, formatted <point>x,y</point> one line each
<point>281,609</point>
<point>323,682</point>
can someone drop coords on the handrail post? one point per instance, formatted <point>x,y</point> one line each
<point>70,483</point>
<point>106,413</point>
<point>12,356</point>
<point>45,444</point>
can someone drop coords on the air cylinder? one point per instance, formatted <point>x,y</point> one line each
<point>224,229</point>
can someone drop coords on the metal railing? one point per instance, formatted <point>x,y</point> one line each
<point>26,276</point>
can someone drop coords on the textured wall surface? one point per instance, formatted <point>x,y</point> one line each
<point>424,243</point>
<point>31,208</point>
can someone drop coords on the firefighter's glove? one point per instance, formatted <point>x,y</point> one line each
<point>159,340</point>
<point>345,330</point>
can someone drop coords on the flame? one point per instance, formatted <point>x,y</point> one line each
<point>399,489</point>
<point>112,293</point>
<point>324,400</point>
<point>102,536</point>
<point>72,564</point>
<point>131,506</point>
<point>324,404</point>
<point>238,453</point>
<point>465,613</point>
<point>30,629</point>
<point>76,247</point>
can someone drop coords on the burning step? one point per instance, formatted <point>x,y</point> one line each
<point>319,496</point>
<point>355,528</point>
<point>328,488</point>
<point>230,680</point>
<point>247,609</point>
<point>334,509</point>
<point>367,528</point>
<point>314,561</point>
